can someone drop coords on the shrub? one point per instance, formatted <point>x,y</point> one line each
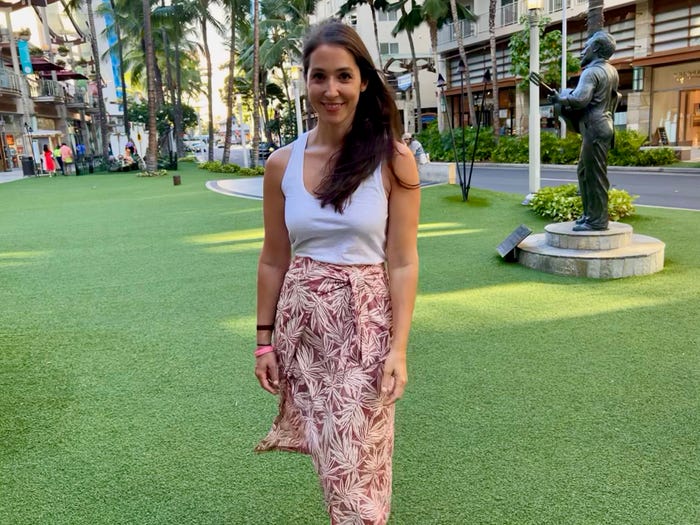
<point>154,173</point>
<point>511,149</point>
<point>568,150</point>
<point>252,172</point>
<point>563,203</point>
<point>212,165</point>
<point>656,157</point>
<point>440,147</point>
<point>626,150</point>
<point>188,158</point>
<point>559,203</point>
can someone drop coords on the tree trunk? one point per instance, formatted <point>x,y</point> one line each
<point>376,33</point>
<point>416,82</point>
<point>102,110</point>
<point>152,151</point>
<point>210,102</point>
<point>463,56</point>
<point>229,89</point>
<point>256,80</point>
<point>494,68</point>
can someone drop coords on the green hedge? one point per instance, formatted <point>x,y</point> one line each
<point>553,150</point>
<point>216,166</point>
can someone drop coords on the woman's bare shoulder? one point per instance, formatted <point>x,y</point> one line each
<point>404,164</point>
<point>276,163</point>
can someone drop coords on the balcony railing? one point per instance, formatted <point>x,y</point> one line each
<point>46,89</point>
<point>9,82</point>
<point>448,33</point>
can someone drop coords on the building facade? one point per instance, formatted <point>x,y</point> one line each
<point>47,82</point>
<point>393,55</point>
<point>658,59</point>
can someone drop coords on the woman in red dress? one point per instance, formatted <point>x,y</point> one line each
<point>49,162</point>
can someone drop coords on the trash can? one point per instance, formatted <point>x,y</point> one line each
<point>28,168</point>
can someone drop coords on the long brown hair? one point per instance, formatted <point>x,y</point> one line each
<point>376,124</point>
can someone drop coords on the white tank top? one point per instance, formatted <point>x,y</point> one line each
<point>357,236</point>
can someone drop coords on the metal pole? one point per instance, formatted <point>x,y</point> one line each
<point>487,79</point>
<point>562,122</point>
<point>534,120</point>
<point>441,86</point>
<point>297,106</point>
<point>240,125</point>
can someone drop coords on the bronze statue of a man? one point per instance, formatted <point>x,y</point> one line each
<point>590,108</point>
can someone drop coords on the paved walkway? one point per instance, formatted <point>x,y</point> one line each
<point>251,188</point>
<point>9,176</point>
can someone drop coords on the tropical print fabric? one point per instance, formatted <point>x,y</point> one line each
<point>332,334</point>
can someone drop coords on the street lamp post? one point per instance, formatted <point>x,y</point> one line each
<point>296,89</point>
<point>239,99</point>
<point>461,69</point>
<point>562,122</point>
<point>534,7</point>
<point>441,86</point>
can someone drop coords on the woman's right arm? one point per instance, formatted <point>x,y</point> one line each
<point>272,265</point>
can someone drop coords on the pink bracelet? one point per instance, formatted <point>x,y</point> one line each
<point>262,350</point>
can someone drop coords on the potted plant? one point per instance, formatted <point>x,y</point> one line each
<point>62,50</point>
<point>60,63</point>
<point>24,34</point>
<point>36,52</point>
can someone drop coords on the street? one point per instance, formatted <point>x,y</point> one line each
<point>673,188</point>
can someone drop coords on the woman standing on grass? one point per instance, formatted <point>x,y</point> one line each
<point>341,205</point>
<point>49,163</point>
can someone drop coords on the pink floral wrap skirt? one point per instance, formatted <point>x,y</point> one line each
<point>332,333</point>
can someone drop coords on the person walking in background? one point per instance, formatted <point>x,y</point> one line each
<point>67,158</point>
<point>337,278</point>
<point>57,157</point>
<point>49,164</point>
<point>416,148</point>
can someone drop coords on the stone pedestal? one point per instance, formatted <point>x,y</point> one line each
<point>611,254</point>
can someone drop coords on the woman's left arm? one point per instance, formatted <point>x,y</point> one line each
<point>402,266</point>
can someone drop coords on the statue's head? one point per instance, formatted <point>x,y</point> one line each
<point>600,45</point>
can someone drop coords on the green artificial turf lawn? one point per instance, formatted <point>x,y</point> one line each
<point>127,393</point>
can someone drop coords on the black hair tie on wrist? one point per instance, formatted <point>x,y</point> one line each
<point>265,327</point>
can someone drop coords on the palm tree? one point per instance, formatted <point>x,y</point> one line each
<point>595,19</point>
<point>463,56</point>
<point>72,6</point>
<point>494,67</point>
<point>205,18</point>
<point>374,6</point>
<point>435,13</point>
<point>234,17</point>
<point>152,151</point>
<point>256,79</point>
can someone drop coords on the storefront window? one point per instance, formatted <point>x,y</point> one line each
<point>665,114</point>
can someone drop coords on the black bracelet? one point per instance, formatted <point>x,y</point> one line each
<point>264,344</point>
<point>265,327</point>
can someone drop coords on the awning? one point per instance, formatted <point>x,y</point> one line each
<point>64,74</point>
<point>44,133</point>
<point>41,64</point>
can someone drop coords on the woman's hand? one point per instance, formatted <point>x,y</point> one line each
<point>394,378</point>
<point>267,373</point>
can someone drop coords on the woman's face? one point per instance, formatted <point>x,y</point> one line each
<point>334,84</point>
